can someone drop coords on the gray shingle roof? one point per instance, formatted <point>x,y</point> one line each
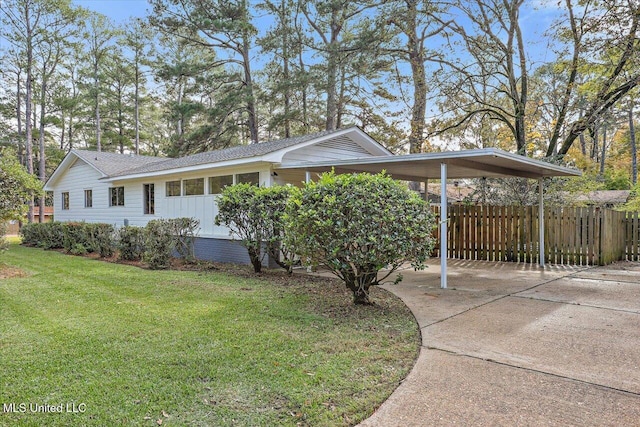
<point>114,165</point>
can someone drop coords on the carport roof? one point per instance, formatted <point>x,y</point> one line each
<point>485,162</point>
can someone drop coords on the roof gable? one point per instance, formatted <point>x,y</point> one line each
<point>271,151</point>
<point>113,165</point>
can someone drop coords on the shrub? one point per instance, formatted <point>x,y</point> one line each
<point>47,235</point>
<point>357,225</point>
<point>273,202</point>
<point>75,233</point>
<point>131,243</point>
<point>101,238</point>
<point>78,249</point>
<point>184,231</point>
<point>158,244</point>
<point>255,216</point>
<point>3,241</point>
<point>238,210</point>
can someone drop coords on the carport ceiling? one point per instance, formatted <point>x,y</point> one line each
<point>486,162</point>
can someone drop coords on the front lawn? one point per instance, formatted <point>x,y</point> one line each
<point>111,344</point>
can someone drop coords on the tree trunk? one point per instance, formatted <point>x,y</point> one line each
<point>603,152</point>
<point>332,73</point>
<point>285,70</point>
<point>419,108</point>
<point>634,152</point>
<point>251,101</point>
<point>42,163</point>
<point>28,104</point>
<point>97,105</point>
<point>254,256</point>
<point>137,108</point>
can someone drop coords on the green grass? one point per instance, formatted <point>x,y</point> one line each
<point>132,346</point>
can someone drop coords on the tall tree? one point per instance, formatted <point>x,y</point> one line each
<point>342,31</point>
<point>58,27</point>
<point>139,41</point>
<point>487,73</point>
<point>416,22</point>
<point>101,32</point>
<point>224,26</point>
<point>21,21</point>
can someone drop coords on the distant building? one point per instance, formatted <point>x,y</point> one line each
<point>14,226</point>
<point>603,198</point>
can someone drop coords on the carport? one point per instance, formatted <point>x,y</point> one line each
<point>480,163</point>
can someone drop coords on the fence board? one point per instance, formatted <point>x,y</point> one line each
<point>573,236</point>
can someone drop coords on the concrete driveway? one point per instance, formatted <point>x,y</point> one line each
<point>516,345</point>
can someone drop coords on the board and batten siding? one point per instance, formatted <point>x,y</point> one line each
<point>201,207</point>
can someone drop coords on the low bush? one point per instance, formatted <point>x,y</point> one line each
<point>184,231</point>
<point>101,238</point>
<point>131,243</point>
<point>158,244</point>
<point>76,233</point>
<point>47,235</point>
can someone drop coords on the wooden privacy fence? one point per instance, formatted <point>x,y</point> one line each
<point>573,236</point>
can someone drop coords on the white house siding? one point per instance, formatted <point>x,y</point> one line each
<point>81,177</point>
<point>201,207</point>
<point>339,148</point>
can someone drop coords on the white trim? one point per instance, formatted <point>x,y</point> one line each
<point>444,226</point>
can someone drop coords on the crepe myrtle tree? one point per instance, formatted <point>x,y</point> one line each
<point>358,224</point>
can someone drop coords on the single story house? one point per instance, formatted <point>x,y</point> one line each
<point>122,189</point>
<point>603,198</point>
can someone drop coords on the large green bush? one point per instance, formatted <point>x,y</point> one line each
<point>357,225</point>
<point>255,216</point>
<point>101,238</point>
<point>131,243</point>
<point>47,235</point>
<point>76,234</point>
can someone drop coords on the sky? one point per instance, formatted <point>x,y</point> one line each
<point>118,10</point>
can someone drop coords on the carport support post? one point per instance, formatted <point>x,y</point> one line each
<point>443,226</point>
<point>541,218</point>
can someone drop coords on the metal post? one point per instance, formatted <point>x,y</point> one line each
<point>443,226</point>
<point>426,190</point>
<point>307,177</point>
<point>541,218</point>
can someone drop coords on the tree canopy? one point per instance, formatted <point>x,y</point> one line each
<point>556,82</point>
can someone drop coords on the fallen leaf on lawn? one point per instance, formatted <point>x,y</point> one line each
<point>147,418</point>
<point>159,422</point>
<point>164,414</point>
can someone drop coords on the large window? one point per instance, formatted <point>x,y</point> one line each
<point>65,201</point>
<point>193,187</point>
<point>217,183</point>
<point>249,178</point>
<point>88,198</point>
<point>173,188</point>
<point>116,196</point>
<point>149,199</point>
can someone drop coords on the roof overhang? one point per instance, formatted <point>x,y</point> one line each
<point>251,161</point>
<point>66,163</point>
<point>480,163</point>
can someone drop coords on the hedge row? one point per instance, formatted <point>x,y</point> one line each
<point>155,244</point>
